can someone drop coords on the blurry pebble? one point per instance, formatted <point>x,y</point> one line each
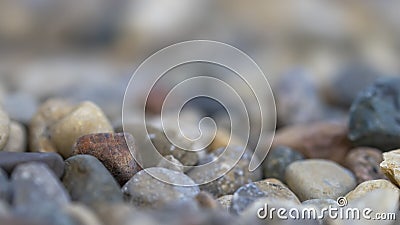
<point>364,163</point>
<point>113,150</point>
<point>4,128</point>
<point>86,118</point>
<point>206,200</point>
<point>316,178</point>
<point>4,186</point>
<point>17,139</point>
<point>226,202</point>
<point>278,159</point>
<point>391,166</point>
<point>89,182</point>
<point>10,160</point>
<point>144,190</point>
<point>368,186</point>
<point>81,215</point>
<point>169,162</point>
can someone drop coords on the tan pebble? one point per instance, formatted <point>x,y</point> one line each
<point>391,166</point>
<point>368,186</point>
<point>17,139</point>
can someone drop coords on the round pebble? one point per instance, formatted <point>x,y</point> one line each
<point>143,190</point>
<point>4,128</point>
<point>317,178</point>
<point>17,141</point>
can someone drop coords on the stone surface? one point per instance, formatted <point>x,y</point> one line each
<point>48,113</point>
<point>233,167</point>
<point>374,114</point>
<point>171,163</point>
<point>143,190</point>
<point>226,202</point>
<point>17,140</point>
<point>89,182</point>
<point>35,184</point>
<point>115,214</point>
<point>9,160</point>
<point>325,140</point>
<point>364,163</point>
<point>368,186</point>
<point>206,201</point>
<point>271,190</point>
<point>113,150</point>
<point>278,159</point>
<point>85,118</point>
<point>81,215</point>
<point>391,166</point>
<point>4,186</point>
<point>316,178</point>
<point>4,128</point>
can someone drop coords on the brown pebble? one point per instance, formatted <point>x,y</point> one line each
<point>113,151</point>
<point>364,163</point>
<point>206,200</point>
<point>322,140</point>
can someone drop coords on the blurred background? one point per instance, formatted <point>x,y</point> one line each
<point>88,49</point>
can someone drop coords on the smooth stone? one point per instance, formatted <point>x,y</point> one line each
<point>317,178</point>
<point>278,159</point>
<point>364,163</point>
<point>233,166</point>
<point>171,163</point>
<point>85,118</point>
<point>374,120</point>
<point>35,184</point>
<point>4,128</point>
<point>144,190</point>
<point>226,202</point>
<point>89,182</point>
<point>81,215</point>
<point>391,166</point>
<point>4,186</point>
<point>17,140</point>
<point>271,190</point>
<point>368,186</point>
<point>21,106</point>
<point>48,113</point>
<point>322,140</point>
<point>10,160</point>
<point>113,150</point>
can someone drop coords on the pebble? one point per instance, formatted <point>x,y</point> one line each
<point>323,140</point>
<point>206,201</point>
<point>278,159</point>
<point>81,215</point>
<point>89,182</point>
<point>226,202</point>
<point>362,189</point>
<point>144,190</point>
<point>391,166</point>
<point>317,178</point>
<point>4,186</point>
<point>17,141</point>
<point>48,113</point>
<point>235,173</point>
<point>34,184</point>
<point>271,190</point>
<point>113,150</point>
<point>171,163</point>
<point>85,118</point>
<point>4,128</point>
<point>374,119</point>
<point>364,163</point>
<point>10,160</point>
<point>319,205</point>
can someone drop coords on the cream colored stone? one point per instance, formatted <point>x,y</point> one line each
<point>368,186</point>
<point>391,165</point>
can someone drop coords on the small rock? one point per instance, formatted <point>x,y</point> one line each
<point>89,182</point>
<point>35,184</point>
<point>48,113</point>
<point>17,139</point>
<point>362,189</point>
<point>4,128</point>
<point>226,202</point>
<point>317,178</point>
<point>374,114</point>
<point>323,140</point>
<point>4,186</point>
<point>145,190</point>
<point>227,173</point>
<point>86,118</point>
<point>169,162</point>
<point>206,200</point>
<point>278,159</point>
<point>81,215</point>
<point>10,160</point>
<point>113,150</point>
<point>364,163</point>
<point>391,166</point>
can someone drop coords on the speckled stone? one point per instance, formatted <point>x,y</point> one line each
<point>4,186</point>
<point>89,182</point>
<point>278,159</point>
<point>316,178</point>
<point>143,190</point>
<point>4,128</point>
<point>369,186</point>
<point>364,163</point>
<point>17,140</point>
<point>113,150</point>
<point>48,113</point>
<point>374,114</point>
<point>391,166</point>
<point>235,173</point>
<point>226,202</point>
<point>85,118</point>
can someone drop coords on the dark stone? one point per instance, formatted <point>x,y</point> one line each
<point>9,160</point>
<point>374,115</point>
